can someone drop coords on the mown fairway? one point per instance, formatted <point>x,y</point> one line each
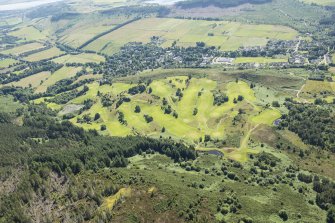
<point>190,115</point>
<point>226,35</point>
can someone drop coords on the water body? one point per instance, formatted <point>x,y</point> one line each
<point>25,5</point>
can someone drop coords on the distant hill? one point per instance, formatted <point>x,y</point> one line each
<point>217,3</point>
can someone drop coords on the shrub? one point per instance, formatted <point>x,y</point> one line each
<point>283,215</point>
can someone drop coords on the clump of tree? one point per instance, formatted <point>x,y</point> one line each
<point>220,98</point>
<point>148,118</point>
<point>137,89</point>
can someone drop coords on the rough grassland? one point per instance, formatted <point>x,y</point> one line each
<point>64,72</point>
<point>227,35</point>
<point>80,58</point>
<point>23,48</point>
<point>44,55</point>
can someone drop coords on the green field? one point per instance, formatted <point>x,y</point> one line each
<point>23,48</point>
<point>28,33</point>
<point>33,80</point>
<point>44,55</point>
<point>80,58</point>
<point>259,60</point>
<point>226,35</point>
<point>7,62</point>
<point>64,72</point>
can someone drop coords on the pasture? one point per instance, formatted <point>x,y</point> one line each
<point>7,62</point>
<point>64,72</point>
<point>79,58</point>
<point>31,81</point>
<point>28,33</point>
<point>44,55</point>
<point>18,50</point>
<point>222,34</point>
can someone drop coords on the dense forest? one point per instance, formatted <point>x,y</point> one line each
<point>315,125</point>
<point>44,147</point>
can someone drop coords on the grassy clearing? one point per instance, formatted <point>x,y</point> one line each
<point>80,58</point>
<point>64,72</point>
<point>111,201</point>
<point>259,60</point>
<point>44,55</point>
<point>226,35</point>
<point>23,48</point>
<point>7,62</point>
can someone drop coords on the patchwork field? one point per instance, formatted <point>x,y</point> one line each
<point>226,35</point>
<point>64,72</point>
<point>80,58</point>
<point>44,55</point>
<point>86,28</point>
<point>23,48</point>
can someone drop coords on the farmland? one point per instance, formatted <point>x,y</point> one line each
<point>31,81</point>
<point>7,62</point>
<point>28,33</point>
<point>23,48</point>
<point>79,58</point>
<point>65,72</point>
<point>225,35</point>
<point>44,55</point>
